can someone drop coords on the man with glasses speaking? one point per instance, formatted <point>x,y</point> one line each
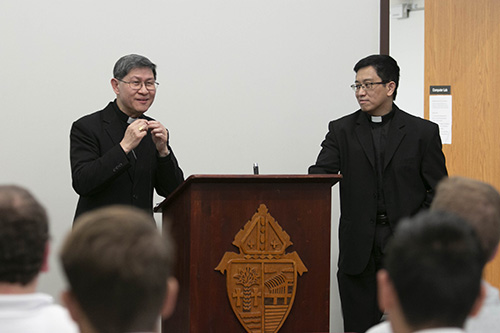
<point>391,163</point>
<point>118,155</point>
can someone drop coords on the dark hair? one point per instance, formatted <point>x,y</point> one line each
<point>435,263</point>
<point>476,202</point>
<point>126,63</point>
<point>24,233</point>
<point>385,66</point>
<point>117,265</point>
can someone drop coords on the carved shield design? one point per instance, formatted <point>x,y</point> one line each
<point>261,293</point>
<point>262,279</point>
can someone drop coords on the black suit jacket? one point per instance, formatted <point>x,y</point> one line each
<point>103,174</point>
<point>413,165</point>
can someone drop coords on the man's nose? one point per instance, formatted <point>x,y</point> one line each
<point>361,91</point>
<point>143,89</point>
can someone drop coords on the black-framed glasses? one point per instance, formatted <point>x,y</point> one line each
<point>137,85</point>
<point>366,86</point>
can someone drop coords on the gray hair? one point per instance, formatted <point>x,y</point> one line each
<point>126,63</point>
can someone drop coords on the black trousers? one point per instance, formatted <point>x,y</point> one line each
<point>358,293</point>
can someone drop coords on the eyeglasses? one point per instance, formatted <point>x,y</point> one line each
<point>365,86</point>
<point>137,85</point>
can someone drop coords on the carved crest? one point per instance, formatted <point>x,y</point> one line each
<point>261,280</point>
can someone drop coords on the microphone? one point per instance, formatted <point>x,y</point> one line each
<point>255,169</point>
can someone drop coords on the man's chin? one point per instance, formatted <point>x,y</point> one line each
<point>141,109</point>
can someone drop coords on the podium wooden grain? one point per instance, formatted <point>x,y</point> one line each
<point>206,212</point>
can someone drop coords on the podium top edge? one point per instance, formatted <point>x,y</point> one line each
<point>263,178</point>
<point>329,179</point>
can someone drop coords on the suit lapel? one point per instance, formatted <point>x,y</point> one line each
<point>114,128</point>
<point>396,134</point>
<point>364,134</point>
<point>112,124</point>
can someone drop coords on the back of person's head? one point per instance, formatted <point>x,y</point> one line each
<point>24,233</point>
<point>434,263</point>
<point>476,202</point>
<point>128,62</point>
<point>385,66</point>
<point>117,265</point>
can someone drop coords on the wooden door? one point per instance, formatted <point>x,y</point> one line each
<point>462,49</point>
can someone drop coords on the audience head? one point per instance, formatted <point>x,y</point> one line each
<point>24,235</point>
<point>476,202</point>
<point>126,63</point>
<point>433,272</point>
<point>386,67</point>
<point>118,268</point>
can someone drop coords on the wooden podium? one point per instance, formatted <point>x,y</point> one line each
<point>205,215</point>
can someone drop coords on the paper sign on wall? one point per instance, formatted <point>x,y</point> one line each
<point>440,111</point>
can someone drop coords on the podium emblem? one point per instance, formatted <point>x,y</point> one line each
<point>261,280</point>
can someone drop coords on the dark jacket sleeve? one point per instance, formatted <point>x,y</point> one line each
<point>169,175</point>
<point>328,161</point>
<point>91,172</point>
<point>433,166</point>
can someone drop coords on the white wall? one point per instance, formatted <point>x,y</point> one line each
<point>241,82</point>
<point>407,46</point>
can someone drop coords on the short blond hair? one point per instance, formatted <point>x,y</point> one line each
<point>476,202</point>
<point>117,265</point>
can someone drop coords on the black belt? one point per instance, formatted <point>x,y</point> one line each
<point>382,219</point>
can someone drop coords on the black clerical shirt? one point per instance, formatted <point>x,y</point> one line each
<point>380,128</point>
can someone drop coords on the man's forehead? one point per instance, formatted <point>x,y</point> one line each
<point>140,72</point>
<point>367,74</point>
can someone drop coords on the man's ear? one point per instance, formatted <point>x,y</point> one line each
<point>76,312</point>
<point>391,87</point>
<point>386,292</point>
<point>45,262</point>
<point>114,85</point>
<point>171,298</point>
<point>479,302</point>
<point>71,304</point>
<point>494,253</point>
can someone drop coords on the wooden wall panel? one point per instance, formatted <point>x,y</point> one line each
<point>462,49</point>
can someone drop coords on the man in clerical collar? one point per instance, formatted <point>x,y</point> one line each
<point>391,163</point>
<point>118,154</point>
